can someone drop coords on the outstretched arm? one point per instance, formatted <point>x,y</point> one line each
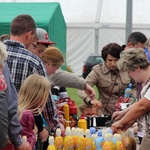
<point>138,109</point>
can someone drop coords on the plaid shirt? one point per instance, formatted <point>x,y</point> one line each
<point>23,63</point>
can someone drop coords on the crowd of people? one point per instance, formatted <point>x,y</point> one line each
<point>32,80</point>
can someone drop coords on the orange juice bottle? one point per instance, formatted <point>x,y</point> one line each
<point>107,145</point>
<point>87,140</point>
<point>132,139</point>
<point>68,140</point>
<point>93,137</point>
<point>119,145</point>
<point>80,133</point>
<point>51,145</point>
<point>126,140</point>
<point>58,141</point>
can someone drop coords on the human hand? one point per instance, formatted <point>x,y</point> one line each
<point>90,91</point>
<point>96,103</point>
<point>120,126</point>
<point>117,115</point>
<point>61,119</point>
<point>24,146</point>
<point>62,127</point>
<point>35,130</point>
<point>117,126</point>
<point>43,135</point>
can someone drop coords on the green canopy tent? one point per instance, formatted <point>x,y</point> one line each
<point>46,15</point>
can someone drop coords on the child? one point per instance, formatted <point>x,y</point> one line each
<point>3,57</point>
<point>32,97</point>
<point>89,110</point>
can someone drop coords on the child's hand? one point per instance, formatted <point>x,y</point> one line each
<point>35,130</point>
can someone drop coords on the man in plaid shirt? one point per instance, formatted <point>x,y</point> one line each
<point>23,63</point>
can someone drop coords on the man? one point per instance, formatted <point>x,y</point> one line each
<point>60,78</point>
<point>22,62</point>
<point>136,40</point>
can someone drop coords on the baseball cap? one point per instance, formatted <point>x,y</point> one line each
<point>43,36</point>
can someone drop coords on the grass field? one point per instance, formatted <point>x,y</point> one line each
<point>72,93</point>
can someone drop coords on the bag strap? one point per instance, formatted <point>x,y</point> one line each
<point>111,93</point>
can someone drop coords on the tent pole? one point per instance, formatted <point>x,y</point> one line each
<point>128,18</point>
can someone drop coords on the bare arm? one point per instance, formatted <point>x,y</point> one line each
<point>136,110</point>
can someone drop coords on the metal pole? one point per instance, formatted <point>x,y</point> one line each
<point>128,18</point>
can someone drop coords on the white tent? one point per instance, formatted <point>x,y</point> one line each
<point>91,24</point>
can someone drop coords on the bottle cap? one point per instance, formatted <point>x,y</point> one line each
<point>58,131</point>
<point>24,138</point>
<point>51,139</point>
<point>92,130</point>
<point>82,116</point>
<point>99,133</point>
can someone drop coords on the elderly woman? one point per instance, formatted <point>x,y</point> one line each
<point>136,63</point>
<point>110,82</point>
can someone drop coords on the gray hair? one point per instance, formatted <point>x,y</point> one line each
<point>3,53</point>
<point>131,59</point>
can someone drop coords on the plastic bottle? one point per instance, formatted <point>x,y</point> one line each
<point>87,140</point>
<point>75,138</point>
<point>112,140</point>
<point>119,145</point>
<point>51,145</point>
<point>132,139</point>
<point>66,114</point>
<point>82,123</point>
<point>73,114</point>
<point>99,140</point>
<point>107,145</point>
<point>128,91</point>
<point>125,140</point>
<point>80,133</point>
<point>58,141</point>
<point>68,140</point>
<point>93,137</point>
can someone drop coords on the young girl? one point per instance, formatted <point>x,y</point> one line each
<point>32,97</point>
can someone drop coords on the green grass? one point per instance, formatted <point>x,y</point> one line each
<point>72,93</point>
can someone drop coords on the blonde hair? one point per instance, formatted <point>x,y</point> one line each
<point>132,58</point>
<point>52,55</point>
<point>33,94</point>
<point>84,106</point>
<point>3,53</point>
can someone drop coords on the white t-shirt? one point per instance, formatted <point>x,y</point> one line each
<point>144,121</point>
<point>147,94</point>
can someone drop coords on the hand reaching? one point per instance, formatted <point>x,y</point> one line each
<point>96,103</point>
<point>90,91</point>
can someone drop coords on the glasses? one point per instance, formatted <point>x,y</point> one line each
<point>34,46</point>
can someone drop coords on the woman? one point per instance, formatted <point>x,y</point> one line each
<point>110,82</point>
<point>136,63</point>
